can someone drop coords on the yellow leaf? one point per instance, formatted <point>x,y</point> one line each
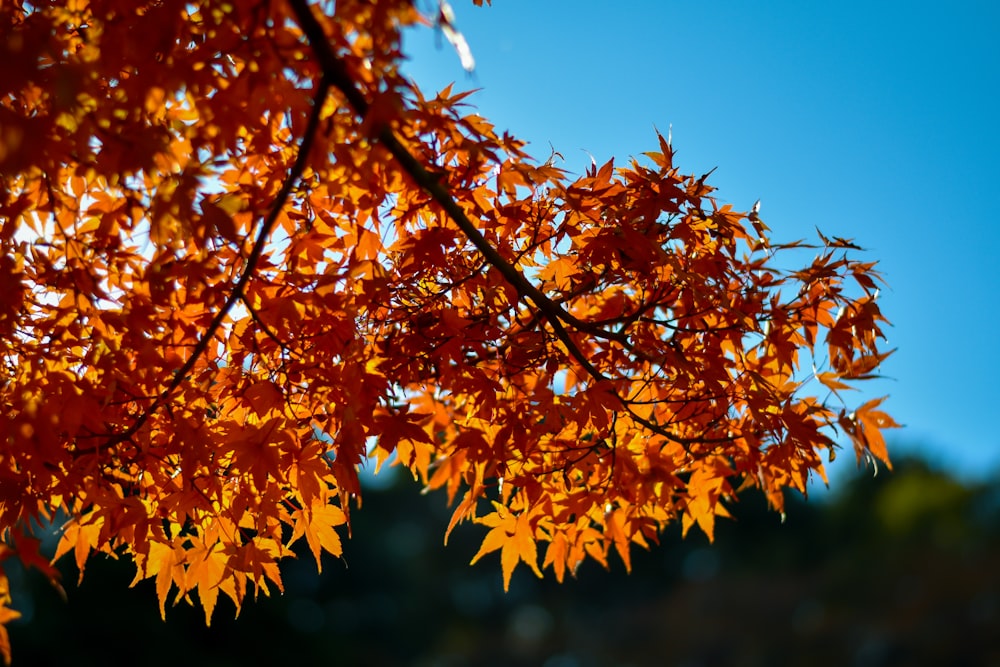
<point>615,523</point>
<point>82,538</point>
<point>515,539</point>
<point>495,539</point>
<point>523,544</point>
<point>555,555</point>
<point>207,566</point>
<point>6,615</point>
<point>317,525</point>
<point>164,561</point>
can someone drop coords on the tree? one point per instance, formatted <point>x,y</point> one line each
<point>242,255</point>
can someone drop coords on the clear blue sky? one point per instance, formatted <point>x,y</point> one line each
<point>878,121</point>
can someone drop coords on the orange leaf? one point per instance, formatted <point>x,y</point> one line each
<point>6,616</point>
<point>555,555</point>
<point>832,381</point>
<point>317,524</point>
<point>514,537</point>
<point>870,424</point>
<point>207,566</point>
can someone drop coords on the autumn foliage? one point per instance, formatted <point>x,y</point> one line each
<point>242,255</point>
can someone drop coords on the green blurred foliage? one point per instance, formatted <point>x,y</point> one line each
<point>900,569</point>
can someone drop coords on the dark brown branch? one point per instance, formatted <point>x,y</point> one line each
<point>334,70</point>
<point>251,264</point>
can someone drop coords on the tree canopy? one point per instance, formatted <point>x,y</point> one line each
<point>242,255</point>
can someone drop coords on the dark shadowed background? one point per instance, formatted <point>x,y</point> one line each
<point>900,569</point>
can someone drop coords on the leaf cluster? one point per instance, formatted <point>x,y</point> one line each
<point>242,255</point>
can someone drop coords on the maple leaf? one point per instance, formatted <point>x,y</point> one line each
<point>865,427</point>
<point>165,563</point>
<point>705,488</point>
<point>317,525</point>
<point>6,616</point>
<point>82,538</point>
<point>556,555</point>
<point>514,537</point>
<point>208,565</point>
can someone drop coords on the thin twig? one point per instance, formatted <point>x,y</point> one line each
<point>333,68</point>
<point>251,264</point>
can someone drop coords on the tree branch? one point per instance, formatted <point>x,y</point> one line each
<point>199,349</point>
<point>333,69</point>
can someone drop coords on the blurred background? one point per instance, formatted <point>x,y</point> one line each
<point>898,569</point>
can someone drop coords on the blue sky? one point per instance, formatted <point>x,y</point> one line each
<point>873,121</point>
